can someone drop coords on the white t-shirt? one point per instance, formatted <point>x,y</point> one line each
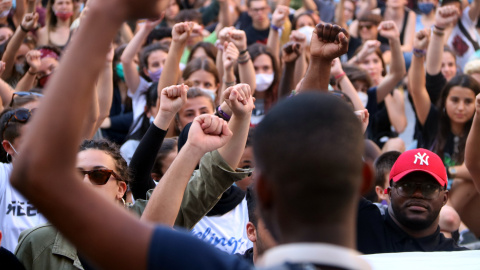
<point>139,100</point>
<point>459,43</point>
<point>17,214</point>
<point>227,232</point>
<point>128,149</point>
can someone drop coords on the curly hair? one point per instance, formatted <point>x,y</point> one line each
<point>112,150</point>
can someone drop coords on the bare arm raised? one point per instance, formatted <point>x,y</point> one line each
<point>472,148</point>
<point>37,177</point>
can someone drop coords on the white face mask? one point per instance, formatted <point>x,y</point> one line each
<point>263,81</point>
<point>211,93</point>
<point>151,119</point>
<point>307,31</point>
<point>363,97</point>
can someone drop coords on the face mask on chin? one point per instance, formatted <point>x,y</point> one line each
<point>43,81</point>
<point>263,81</point>
<point>426,7</point>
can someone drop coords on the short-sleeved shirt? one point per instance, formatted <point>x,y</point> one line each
<point>18,213</point>
<point>459,43</point>
<point>244,23</point>
<point>379,128</point>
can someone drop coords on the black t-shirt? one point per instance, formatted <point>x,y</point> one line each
<point>9,261</point>
<point>379,128</point>
<point>244,23</point>
<point>377,233</point>
<point>434,85</point>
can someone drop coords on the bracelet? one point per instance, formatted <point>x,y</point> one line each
<point>439,28</point>
<point>222,114</point>
<point>339,76</point>
<point>419,53</point>
<point>243,52</point>
<point>438,32</point>
<point>31,73</point>
<point>243,59</point>
<point>229,84</point>
<point>276,28</point>
<point>24,29</point>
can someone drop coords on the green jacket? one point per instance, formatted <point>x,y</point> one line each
<point>43,247</point>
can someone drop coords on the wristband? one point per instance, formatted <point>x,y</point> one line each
<point>24,29</point>
<point>276,28</point>
<point>243,52</point>
<point>222,114</point>
<point>438,32</point>
<point>439,28</point>
<point>339,76</point>
<point>419,53</point>
<point>31,73</point>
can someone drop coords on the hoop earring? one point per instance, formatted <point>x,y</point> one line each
<point>9,158</point>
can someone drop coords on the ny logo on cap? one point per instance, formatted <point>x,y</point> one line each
<point>423,158</point>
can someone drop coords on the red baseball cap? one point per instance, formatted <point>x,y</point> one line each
<point>419,160</point>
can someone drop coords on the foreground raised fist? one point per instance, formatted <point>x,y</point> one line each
<point>328,42</point>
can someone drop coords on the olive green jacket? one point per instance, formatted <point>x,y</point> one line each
<point>43,247</point>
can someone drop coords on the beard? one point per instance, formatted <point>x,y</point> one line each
<point>414,223</point>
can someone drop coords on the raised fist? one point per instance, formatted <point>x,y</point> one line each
<point>328,42</point>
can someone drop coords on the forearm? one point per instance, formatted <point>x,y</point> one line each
<point>273,42</point>
<point>126,33</point>
<point>310,5</point>
<point>132,78</point>
<point>247,74</point>
<point>90,122</point>
<point>472,151</point>
<point>12,48</point>
<point>104,93</point>
<point>435,54</point>
<point>26,82</point>
<point>233,150</point>
<point>224,15</point>
<point>143,160</point>
<point>6,93</point>
<point>317,76</point>
<point>397,67</point>
<point>351,92</point>
<point>171,71</point>
<point>228,79</point>
<point>396,111</point>
<point>365,7</point>
<point>300,68</point>
<point>19,10</point>
<point>287,81</point>
<point>165,201</point>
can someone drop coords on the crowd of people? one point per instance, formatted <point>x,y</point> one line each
<point>237,134</point>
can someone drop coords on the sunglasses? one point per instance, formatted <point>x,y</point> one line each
<point>24,94</point>
<point>100,176</point>
<point>20,115</point>
<point>429,191</point>
<point>368,26</point>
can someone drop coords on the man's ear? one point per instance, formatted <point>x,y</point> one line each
<point>445,197</point>
<point>263,190</point>
<point>381,193</point>
<point>251,232</point>
<point>367,177</point>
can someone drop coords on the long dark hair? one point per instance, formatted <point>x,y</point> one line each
<point>256,50</point>
<point>444,127</point>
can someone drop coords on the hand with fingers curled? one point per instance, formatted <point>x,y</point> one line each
<point>369,47</point>
<point>208,132</point>
<point>421,40</point>
<point>328,42</point>
<point>446,16</point>
<point>182,31</point>
<point>230,55</point>
<point>172,99</point>
<point>388,30</point>
<point>290,52</point>
<point>300,38</point>
<point>337,68</point>
<point>151,24</point>
<point>30,21</point>
<point>280,15</point>
<point>240,100</point>
<point>33,59</point>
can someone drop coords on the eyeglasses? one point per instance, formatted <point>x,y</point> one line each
<point>368,26</point>
<point>429,191</point>
<point>256,10</point>
<point>21,115</point>
<point>24,94</point>
<point>100,176</point>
